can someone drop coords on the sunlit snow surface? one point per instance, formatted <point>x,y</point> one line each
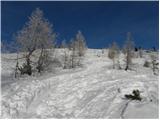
<point>88,92</point>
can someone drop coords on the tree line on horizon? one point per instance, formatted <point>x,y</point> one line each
<point>37,37</point>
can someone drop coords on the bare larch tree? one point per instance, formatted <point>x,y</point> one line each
<point>37,34</point>
<point>113,52</point>
<point>128,50</point>
<point>80,43</point>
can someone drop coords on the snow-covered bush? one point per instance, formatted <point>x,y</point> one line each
<point>57,62</point>
<point>155,64</point>
<point>147,64</point>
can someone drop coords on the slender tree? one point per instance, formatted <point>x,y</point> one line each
<point>113,52</point>
<point>63,44</point>
<point>128,50</point>
<point>140,52</point>
<point>80,43</point>
<point>66,54</point>
<point>17,67</point>
<point>73,55</point>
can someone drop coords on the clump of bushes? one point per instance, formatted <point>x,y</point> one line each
<point>134,96</point>
<point>25,69</point>
<point>146,64</point>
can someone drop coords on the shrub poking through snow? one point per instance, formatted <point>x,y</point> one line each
<point>146,64</point>
<point>134,96</point>
<point>155,64</point>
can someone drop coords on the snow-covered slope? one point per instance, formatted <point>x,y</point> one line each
<point>94,91</point>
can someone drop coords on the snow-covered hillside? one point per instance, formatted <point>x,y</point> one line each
<point>94,91</point>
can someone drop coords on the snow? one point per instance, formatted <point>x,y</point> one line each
<point>149,110</point>
<point>88,92</point>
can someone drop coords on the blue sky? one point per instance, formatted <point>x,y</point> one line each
<point>101,22</point>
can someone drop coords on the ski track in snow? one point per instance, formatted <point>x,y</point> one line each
<point>91,92</point>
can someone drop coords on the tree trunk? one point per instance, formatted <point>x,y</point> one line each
<point>40,61</point>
